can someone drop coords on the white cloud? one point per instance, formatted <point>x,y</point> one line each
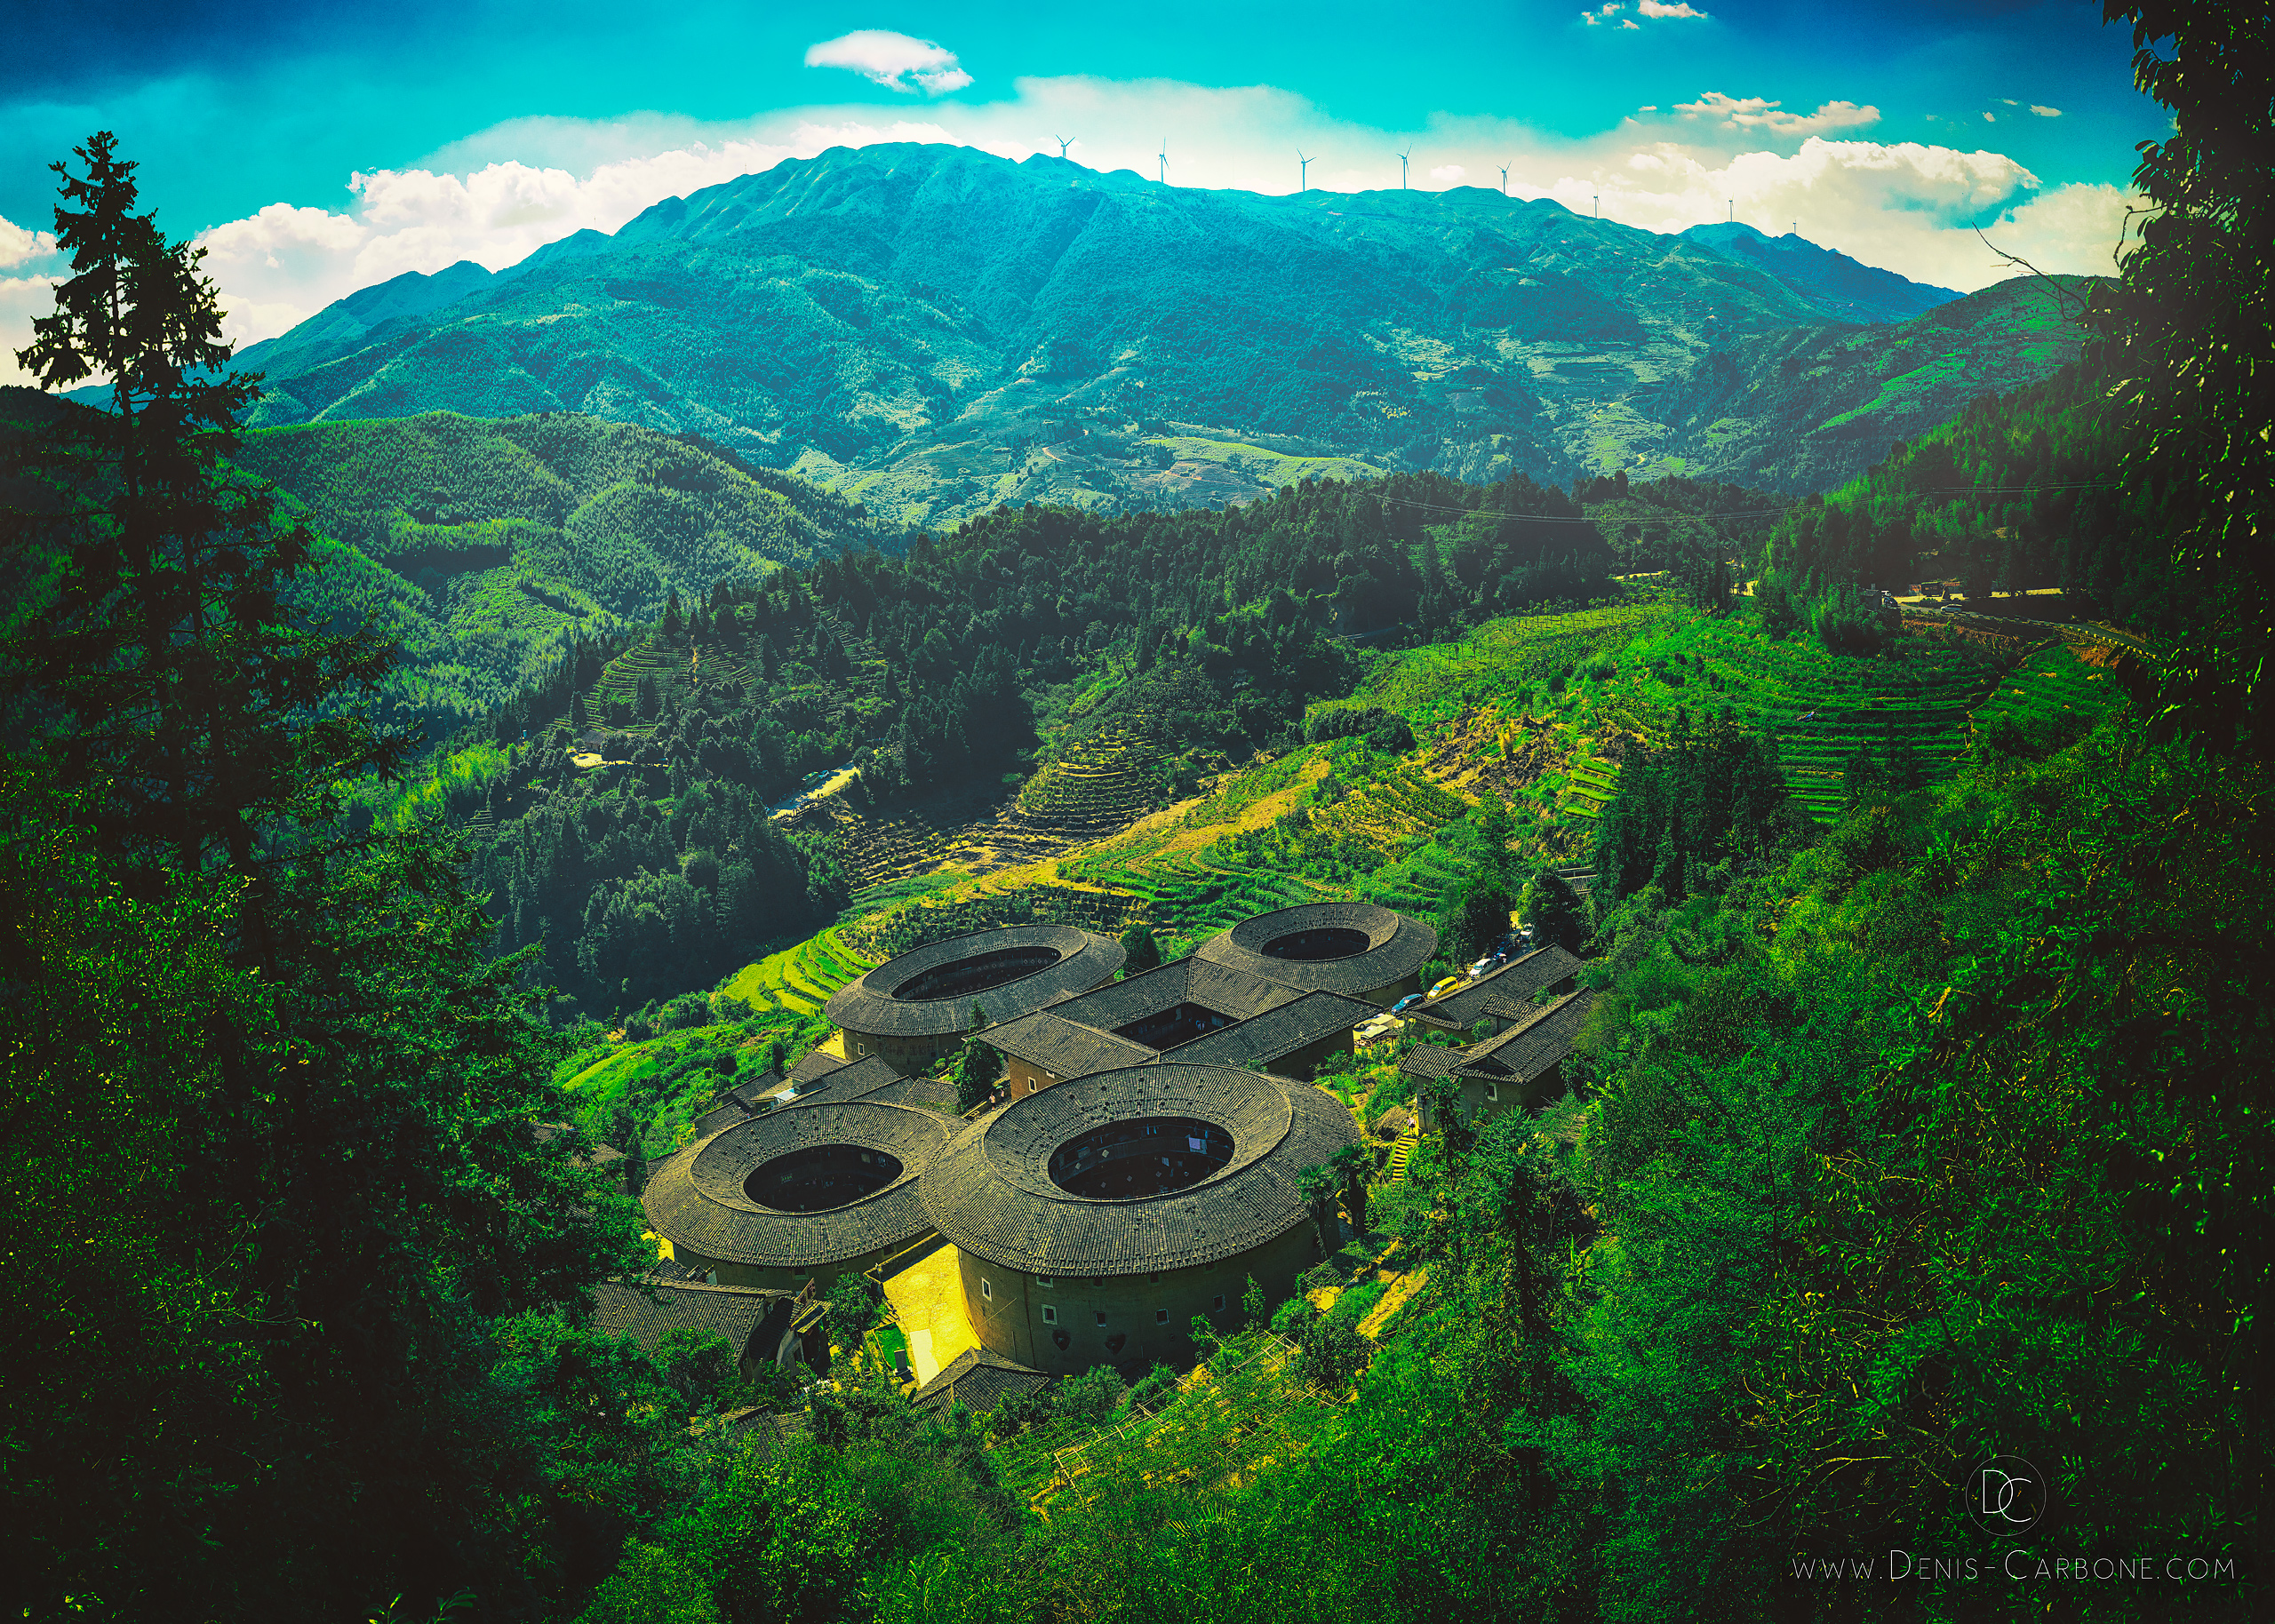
<point>1448,174</point>
<point>2045,112</point>
<point>1753,113</point>
<point>27,294</point>
<point>1652,8</point>
<point>20,245</point>
<point>895,60</point>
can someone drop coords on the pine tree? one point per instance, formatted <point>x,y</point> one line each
<point>204,708</point>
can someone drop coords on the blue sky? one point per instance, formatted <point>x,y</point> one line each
<point>323,149</point>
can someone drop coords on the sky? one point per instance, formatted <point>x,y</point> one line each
<point>316,150</point>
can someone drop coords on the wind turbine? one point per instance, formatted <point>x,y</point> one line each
<point>1303,173</point>
<point>1504,180</point>
<point>1402,168</point>
<point>1063,142</point>
<point>1165,160</point>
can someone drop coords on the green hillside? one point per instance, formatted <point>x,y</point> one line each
<point>483,547</point>
<point>946,331</point>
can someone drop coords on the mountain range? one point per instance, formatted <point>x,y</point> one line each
<point>932,330</point>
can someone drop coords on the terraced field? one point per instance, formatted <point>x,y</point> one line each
<point>1101,782</point>
<point>1822,708</point>
<point>2056,682</point>
<point>799,980</point>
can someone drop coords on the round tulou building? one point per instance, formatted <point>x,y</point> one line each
<point>911,1010</point>
<point>1092,1221</point>
<point>1355,949</point>
<point>801,1192</point>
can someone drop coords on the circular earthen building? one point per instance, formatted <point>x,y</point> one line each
<point>800,1192</point>
<point>1094,1220</point>
<point>913,1009</point>
<point>1356,949</point>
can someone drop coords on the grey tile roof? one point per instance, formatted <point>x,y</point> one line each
<point>1432,1059</point>
<point>1182,980</point>
<point>989,1190</point>
<point>1514,984</point>
<point>718,1117</point>
<point>857,1081</point>
<point>1522,1051</point>
<point>928,1092</point>
<point>870,1005</point>
<point>1064,1047</point>
<point>818,1062</point>
<point>1277,1032</point>
<point>977,1380</point>
<point>1528,1051</point>
<point>1395,947</point>
<point>695,1198</point>
<point>621,1307</point>
<point>750,1091</point>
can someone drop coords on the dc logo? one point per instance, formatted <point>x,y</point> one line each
<point>2007,1495</point>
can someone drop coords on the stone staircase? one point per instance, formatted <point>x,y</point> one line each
<point>1402,1150</point>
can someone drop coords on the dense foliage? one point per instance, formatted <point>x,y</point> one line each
<point>273,1156</point>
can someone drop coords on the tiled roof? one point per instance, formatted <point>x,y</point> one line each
<point>869,1004</point>
<point>857,1081</point>
<point>1522,1051</point>
<point>1515,982</point>
<point>1525,1052</point>
<point>1182,980</point>
<point>1063,1047</point>
<point>818,1062</point>
<point>1432,1059</point>
<point>1396,947</point>
<point>977,1380</point>
<point>696,1199</point>
<point>646,1310</point>
<point>990,1191</point>
<point>1280,1031</point>
<point>747,1094</point>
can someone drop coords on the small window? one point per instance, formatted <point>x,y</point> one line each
<point>1160,1317</point>
<point>1049,1314</point>
<point>1046,1279</point>
<point>1492,1091</point>
<point>1218,1306</point>
<point>987,1291</point>
<point>1101,1316</point>
<point>1153,1279</point>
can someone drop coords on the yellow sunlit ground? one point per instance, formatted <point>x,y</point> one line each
<point>928,1302</point>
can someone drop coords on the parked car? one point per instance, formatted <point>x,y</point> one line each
<point>1451,984</point>
<point>1490,962</point>
<point>1406,1003</point>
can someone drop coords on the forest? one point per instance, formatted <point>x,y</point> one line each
<point>1928,1127</point>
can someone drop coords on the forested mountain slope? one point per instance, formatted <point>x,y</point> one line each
<point>937,331</point>
<point>482,545</point>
